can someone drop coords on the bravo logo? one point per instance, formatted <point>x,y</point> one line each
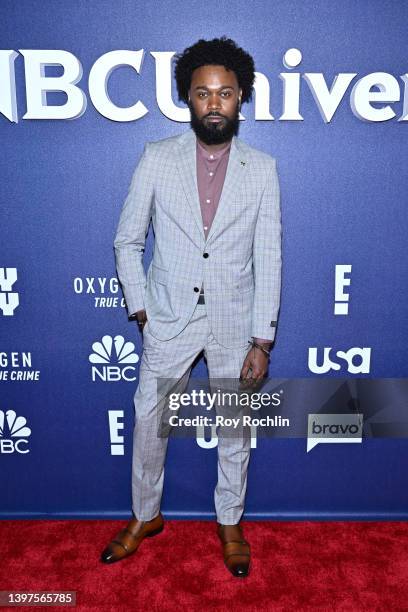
<point>334,428</point>
<point>13,433</point>
<point>113,360</point>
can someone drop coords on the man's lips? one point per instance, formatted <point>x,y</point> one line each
<point>214,119</point>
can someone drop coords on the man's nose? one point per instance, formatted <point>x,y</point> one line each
<point>214,102</point>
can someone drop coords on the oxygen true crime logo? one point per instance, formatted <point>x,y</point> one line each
<point>17,366</point>
<point>379,88</point>
<point>102,289</point>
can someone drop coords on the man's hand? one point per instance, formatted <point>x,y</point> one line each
<point>141,319</point>
<point>255,365</point>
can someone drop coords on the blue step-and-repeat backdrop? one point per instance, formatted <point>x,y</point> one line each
<point>83,86</point>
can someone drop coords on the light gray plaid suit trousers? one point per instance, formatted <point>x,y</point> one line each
<point>173,359</point>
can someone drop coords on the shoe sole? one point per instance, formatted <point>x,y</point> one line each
<point>238,575</point>
<point>148,535</point>
<point>155,532</point>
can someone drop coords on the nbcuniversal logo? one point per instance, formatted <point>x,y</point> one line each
<point>113,360</point>
<point>13,433</point>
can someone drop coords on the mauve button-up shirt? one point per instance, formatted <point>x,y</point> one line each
<point>211,170</point>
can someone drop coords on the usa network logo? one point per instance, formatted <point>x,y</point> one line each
<point>113,358</point>
<point>13,433</point>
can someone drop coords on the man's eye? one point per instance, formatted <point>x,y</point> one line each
<point>226,93</point>
<point>201,94</point>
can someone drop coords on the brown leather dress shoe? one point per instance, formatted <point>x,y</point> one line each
<point>127,541</point>
<point>235,549</point>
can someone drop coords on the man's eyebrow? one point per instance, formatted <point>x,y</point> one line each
<point>205,87</point>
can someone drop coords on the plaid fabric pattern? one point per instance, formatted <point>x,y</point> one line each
<point>172,359</point>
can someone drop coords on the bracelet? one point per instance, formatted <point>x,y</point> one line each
<point>253,343</point>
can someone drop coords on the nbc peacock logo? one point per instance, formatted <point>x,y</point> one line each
<point>13,433</point>
<point>113,360</point>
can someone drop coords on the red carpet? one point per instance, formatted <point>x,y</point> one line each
<point>295,566</point>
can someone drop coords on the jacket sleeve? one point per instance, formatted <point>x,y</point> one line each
<point>267,260</point>
<point>130,238</point>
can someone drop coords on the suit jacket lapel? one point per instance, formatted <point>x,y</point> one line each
<point>187,164</point>
<point>232,184</point>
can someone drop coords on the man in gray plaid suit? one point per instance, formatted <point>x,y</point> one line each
<point>213,283</point>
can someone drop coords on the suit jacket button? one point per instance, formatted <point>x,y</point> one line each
<point>196,289</point>
<point>205,255</point>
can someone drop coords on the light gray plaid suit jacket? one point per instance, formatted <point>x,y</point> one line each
<point>242,272</point>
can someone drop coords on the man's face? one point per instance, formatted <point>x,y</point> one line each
<point>214,104</point>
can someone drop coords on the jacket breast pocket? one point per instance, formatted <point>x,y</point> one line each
<point>159,275</point>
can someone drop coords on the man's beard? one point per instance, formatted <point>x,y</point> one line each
<point>213,132</point>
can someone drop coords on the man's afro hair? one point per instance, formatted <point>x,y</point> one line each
<point>218,51</point>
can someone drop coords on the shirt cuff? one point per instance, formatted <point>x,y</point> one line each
<point>263,341</point>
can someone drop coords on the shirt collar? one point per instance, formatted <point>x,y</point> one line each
<point>215,154</point>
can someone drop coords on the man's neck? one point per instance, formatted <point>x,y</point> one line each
<point>214,147</point>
